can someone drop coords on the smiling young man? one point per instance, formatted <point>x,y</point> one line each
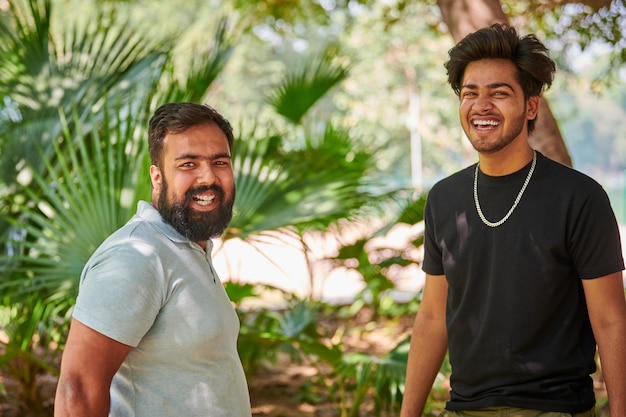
<point>153,332</point>
<point>522,257</point>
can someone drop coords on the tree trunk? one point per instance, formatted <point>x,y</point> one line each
<point>466,16</point>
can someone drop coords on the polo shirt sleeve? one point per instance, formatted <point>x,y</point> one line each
<point>121,291</point>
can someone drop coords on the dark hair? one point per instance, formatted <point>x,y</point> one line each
<point>535,68</point>
<point>177,118</point>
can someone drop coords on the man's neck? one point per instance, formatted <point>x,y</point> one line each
<point>505,161</point>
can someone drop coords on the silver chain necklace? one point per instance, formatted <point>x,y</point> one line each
<point>517,200</point>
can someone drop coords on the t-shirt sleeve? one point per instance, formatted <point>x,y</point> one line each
<point>121,291</point>
<point>432,263</point>
<point>595,239</point>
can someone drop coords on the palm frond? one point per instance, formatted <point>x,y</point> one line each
<point>207,62</point>
<point>258,178</point>
<point>88,62</point>
<point>303,87</point>
<point>328,178</point>
<point>26,37</point>
<point>301,188</point>
<point>87,191</point>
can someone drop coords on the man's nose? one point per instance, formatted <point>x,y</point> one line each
<point>482,104</point>
<point>206,174</point>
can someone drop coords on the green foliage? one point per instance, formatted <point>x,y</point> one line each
<point>413,212</point>
<point>294,330</point>
<point>34,333</point>
<point>300,90</point>
<point>272,10</point>
<point>279,188</point>
<point>581,26</point>
<point>206,63</point>
<point>374,264</point>
<point>49,70</point>
<point>299,331</point>
<point>89,171</point>
<point>360,375</point>
<point>90,188</point>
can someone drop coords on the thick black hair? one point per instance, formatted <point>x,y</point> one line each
<point>178,117</point>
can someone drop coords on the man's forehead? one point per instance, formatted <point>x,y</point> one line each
<point>204,136</point>
<point>490,73</point>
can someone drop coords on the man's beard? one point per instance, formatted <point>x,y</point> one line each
<point>514,131</point>
<point>197,226</point>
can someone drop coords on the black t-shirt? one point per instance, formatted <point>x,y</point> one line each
<point>518,330</point>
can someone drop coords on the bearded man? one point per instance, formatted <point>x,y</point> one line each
<point>153,332</point>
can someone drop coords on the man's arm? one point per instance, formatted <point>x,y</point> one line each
<point>429,343</point>
<point>90,360</point>
<point>607,312</point>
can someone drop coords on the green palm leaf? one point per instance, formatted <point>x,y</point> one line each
<point>206,64</point>
<point>89,191</point>
<point>303,87</point>
<point>308,187</point>
<point>87,62</point>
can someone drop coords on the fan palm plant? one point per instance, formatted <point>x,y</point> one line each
<point>47,70</point>
<point>304,86</point>
<point>71,67</point>
<point>292,190</point>
<point>319,180</point>
<point>303,180</point>
<point>89,191</point>
<point>360,375</point>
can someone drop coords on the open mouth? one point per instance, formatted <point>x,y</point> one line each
<point>203,200</point>
<point>485,124</point>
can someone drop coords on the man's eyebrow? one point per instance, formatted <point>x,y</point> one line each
<point>498,85</point>
<point>210,157</point>
<point>490,86</point>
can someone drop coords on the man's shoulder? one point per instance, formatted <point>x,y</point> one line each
<point>550,170</point>
<point>137,228</point>
<point>458,179</point>
<point>139,236</point>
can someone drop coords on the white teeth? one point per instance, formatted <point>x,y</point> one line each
<point>486,123</point>
<point>204,200</point>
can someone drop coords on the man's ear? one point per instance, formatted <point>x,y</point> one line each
<point>156,177</point>
<point>532,107</point>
